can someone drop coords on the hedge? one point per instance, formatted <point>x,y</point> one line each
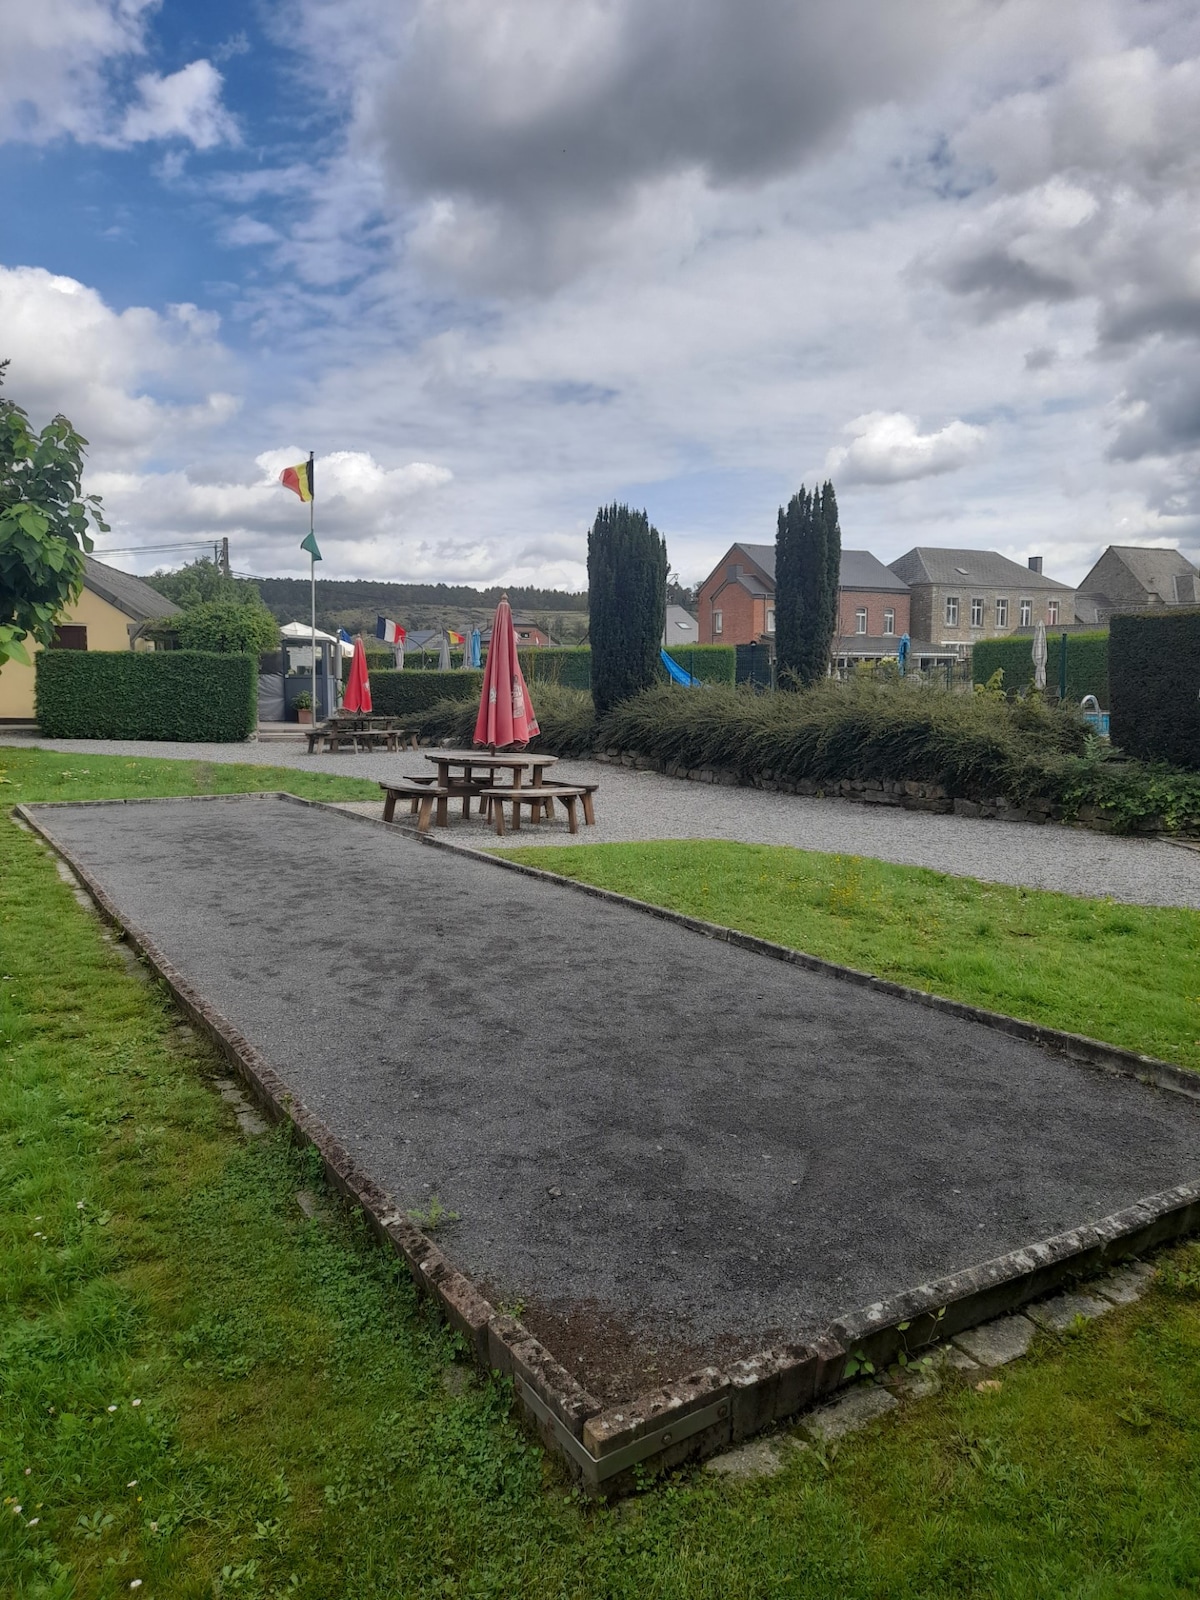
<point>403,694</point>
<point>1087,663</point>
<point>126,694</point>
<point>711,663</point>
<point>1154,673</point>
<point>569,666</point>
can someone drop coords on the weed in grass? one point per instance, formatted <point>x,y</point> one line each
<point>435,1215</point>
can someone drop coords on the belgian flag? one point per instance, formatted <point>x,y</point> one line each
<point>299,479</point>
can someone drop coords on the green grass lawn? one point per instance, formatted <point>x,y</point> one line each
<point>27,775</point>
<point>1127,974</point>
<point>204,1389</point>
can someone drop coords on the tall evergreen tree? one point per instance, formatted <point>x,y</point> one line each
<point>627,597</point>
<point>808,555</point>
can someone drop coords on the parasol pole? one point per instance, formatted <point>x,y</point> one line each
<point>312,585</point>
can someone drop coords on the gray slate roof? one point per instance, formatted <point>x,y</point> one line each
<point>986,568</point>
<point>129,594</point>
<point>859,569</point>
<point>680,627</point>
<point>1155,569</point>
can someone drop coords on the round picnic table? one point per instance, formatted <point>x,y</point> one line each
<point>464,783</point>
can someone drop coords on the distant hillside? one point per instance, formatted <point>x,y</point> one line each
<point>287,597</point>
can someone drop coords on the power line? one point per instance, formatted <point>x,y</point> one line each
<point>152,549</point>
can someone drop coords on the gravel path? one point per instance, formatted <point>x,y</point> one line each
<point>636,805</point>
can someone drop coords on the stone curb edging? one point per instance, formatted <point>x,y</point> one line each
<point>706,1411</point>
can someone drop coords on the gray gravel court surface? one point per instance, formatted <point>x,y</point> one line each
<point>645,805</point>
<point>667,1148</point>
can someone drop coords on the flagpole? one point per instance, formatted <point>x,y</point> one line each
<point>312,580</point>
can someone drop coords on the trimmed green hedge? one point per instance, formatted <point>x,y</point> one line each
<point>404,694</point>
<point>124,694</point>
<point>1154,672</point>
<point>568,666</point>
<point>1087,663</point>
<point>711,663</point>
<point>565,666</point>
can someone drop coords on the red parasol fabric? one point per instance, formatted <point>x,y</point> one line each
<point>358,685</point>
<point>506,718</point>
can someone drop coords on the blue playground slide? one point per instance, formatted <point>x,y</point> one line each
<point>677,672</point>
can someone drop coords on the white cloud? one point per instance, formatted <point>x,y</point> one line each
<point>888,447</point>
<point>72,353</point>
<point>61,75</point>
<point>184,105</point>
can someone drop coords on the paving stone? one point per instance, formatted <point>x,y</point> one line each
<point>847,1415</point>
<point>1057,1315</point>
<point>1125,1284</point>
<point>761,1458</point>
<point>996,1343</point>
<point>308,1203</point>
<point>248,1119</point>
<point>456,1379</point>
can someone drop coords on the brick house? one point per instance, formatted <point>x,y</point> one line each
<point>1134,578</point>
<point>873,609</point>
<point>960,596</point>
<point>736,602</point>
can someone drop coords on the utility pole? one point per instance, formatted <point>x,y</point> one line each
<point>225,556</point>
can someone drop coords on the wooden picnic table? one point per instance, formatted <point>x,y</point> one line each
<point>372,732</point>
<point>474,772</point>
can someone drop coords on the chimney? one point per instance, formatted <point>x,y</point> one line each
<point>1035,563</point>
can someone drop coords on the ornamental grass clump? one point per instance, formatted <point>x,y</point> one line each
<point>565,716</point>
<point>855,730</point>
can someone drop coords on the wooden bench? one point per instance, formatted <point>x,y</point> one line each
<point>539,800</point>
<point>424,795</point>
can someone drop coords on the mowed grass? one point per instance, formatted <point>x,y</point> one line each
<point>33,774</point>
<point>1129,975</point>
<point>304,1428</point>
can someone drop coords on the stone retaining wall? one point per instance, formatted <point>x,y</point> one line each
<point>908,794</point>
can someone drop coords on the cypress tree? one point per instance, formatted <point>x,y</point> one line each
<point>627,598</point>
<point>808,554</point>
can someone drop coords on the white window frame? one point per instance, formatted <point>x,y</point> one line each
<point>770,619</point>
<point>860,620</point>
<point>1052,613</point>
<point>1002,613</point>
<point>718,622</point>
<point>952,611</point>
<point>1026,614</point>
<point>978,611</point>
<point>889,624</point>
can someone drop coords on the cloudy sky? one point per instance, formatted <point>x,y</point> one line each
<point>498,261</point>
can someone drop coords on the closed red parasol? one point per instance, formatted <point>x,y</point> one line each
<point>358,685</point>
<point>506,719</point>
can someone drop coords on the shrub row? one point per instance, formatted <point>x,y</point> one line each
<point>1154,673</point>
<point>125,694</point>
<point>565,716</point>
<point>571,666</point>
<point>1087,663</point>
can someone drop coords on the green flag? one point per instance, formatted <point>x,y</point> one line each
<point>310,544</point>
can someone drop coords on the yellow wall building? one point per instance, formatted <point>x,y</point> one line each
<point>105,617</point>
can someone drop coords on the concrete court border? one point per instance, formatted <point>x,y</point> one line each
<point>714,1407</point>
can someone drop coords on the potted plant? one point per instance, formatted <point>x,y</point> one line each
<point>303,705</point>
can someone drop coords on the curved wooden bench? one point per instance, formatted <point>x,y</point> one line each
<point>424,795</point>
<point>539,800</point>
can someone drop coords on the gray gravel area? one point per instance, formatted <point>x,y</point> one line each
<point>655,1141</point>
<point>646,805</point>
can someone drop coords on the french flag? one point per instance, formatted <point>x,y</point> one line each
<point>390,632</point>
